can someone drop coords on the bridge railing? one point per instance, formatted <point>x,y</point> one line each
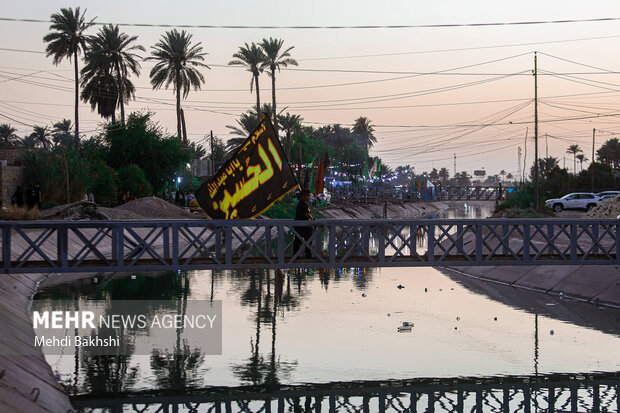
<point>548,393</point>
<point>70,246</point>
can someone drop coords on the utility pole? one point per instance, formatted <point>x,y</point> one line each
<point>592,160</point>
<point>536,200</point>
<point>593,143</point>
<point>519,164</point>
<point>546,145</point>
<point>212,156</point>
<point>455,165</point>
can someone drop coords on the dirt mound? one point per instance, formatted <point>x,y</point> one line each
<point>155,208</point>
<point>610,208</point>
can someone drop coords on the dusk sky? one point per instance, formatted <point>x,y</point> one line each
<point>479,106</point>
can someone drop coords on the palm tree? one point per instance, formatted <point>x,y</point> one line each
<point>275,58</point>
<point>290,124</point>
<point>111,56</point>
<point>252,57</point>
<point>574,150</point>
<point>7,135</point>
<point>41,136</point>
<point>365,130</point>
<point>62,132</point>
<point>582,158</point>
<point>177,64</point>
<point>245,125</point>
<point>67,40</point>
<point>444,174</point>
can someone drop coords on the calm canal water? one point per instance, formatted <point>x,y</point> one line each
<point>311,326</point>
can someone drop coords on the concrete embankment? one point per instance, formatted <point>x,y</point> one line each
<point>27,383</point>
<point>597,284</point>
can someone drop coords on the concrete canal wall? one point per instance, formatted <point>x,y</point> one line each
<point>27,383</point>
<point>402,210</point>
<point>596,284</point>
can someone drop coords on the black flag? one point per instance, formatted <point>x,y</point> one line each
<point>256,176</point>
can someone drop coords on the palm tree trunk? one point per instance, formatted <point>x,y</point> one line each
<point>273,99</point>
<point>178,86</point>
<point>574,164</point>
<point>121,93</point>
<point>258,111</point>
<point>76,141</point>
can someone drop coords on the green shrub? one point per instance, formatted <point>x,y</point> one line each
<point>102,182</point>
<point>132,179</point>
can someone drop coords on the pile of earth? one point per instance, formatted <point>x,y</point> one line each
<point>142,208</point>
<point>150,207</point>
<point>609,208</point>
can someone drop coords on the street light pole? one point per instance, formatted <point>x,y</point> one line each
<point>536,194</point>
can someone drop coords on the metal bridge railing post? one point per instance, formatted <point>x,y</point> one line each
<point>551,400</point>
<point>381,231</point>
<point>478,243</point>
<point>118,247</point>
<point>217,248</point>
<point>505,239</point>
<point>595,236</point>
<point>166,241</point>
<point>332,244</point>
<point>430,249</point>
<point>526,242</point>
<point>229,231</point>
<point>6,247</point>
<point>573,242</point>
<point>62,246</point>
<point>268,246</point>
<point>617,235</point>
<point>175,244</point>
<point>281,246</point>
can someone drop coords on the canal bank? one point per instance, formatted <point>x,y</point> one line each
<point>402,210</point>
<point>599,285</point>
<point>27,383</point>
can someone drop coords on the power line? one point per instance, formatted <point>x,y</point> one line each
<point>338,27</point>
<point>462,49</point>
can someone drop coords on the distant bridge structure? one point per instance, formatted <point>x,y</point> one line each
<point>447,193</point>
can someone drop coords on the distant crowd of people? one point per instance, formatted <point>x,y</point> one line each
<point>179,197</point>
<point>31,197</point>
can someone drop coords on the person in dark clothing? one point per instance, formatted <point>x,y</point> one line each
<point>18,197</point>
<point>302,213</point>
<point>38,195</point>
<point>30,197</point>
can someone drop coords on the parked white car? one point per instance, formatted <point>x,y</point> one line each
<point>578,200</point>
<point>608,194</point>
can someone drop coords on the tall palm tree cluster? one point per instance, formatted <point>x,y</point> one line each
<point>269,55</point>
<point>111,57</point>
